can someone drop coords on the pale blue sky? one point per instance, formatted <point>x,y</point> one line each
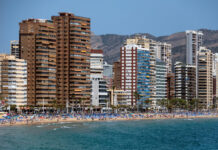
<point>158,17</point>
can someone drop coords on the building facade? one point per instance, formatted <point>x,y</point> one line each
<point>37,39</point>
<point>15,49</point>
<point>193,43</point>
<point>161,82</point>
<point>170,85</point>
<point>72,58</point>
<point>151,46</point>
<point>205,78</point>
<point>215,75</point>
<point>99,88</point>
<point>143,77</point>
<point>135,74</point>
<point>13,80</point>
<point>185,81</point>
<point>128,59</point>
<point>118,97</point>
<point>117,75</point>
<point>164,54</point>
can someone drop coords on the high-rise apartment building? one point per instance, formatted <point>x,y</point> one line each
<point>158,50</point>
<point>193,43</point>
<point>135,73</point>
<point>108,74</point>
<point>13,80</point>
<point>215,75</point>
<point>164,54</point>
<point>128,72</point>
<point>72,58</point>
<point>161,82</point>
<point>117,75</point>
<point>58,56</point>
<point>180,75</point>
<point>99,89</point>
<point>205,78</point>
<point>15,49</point>
<point>185,81</point>
<point>151,46</point>
<point>37,41</point>
<point>215,63</point>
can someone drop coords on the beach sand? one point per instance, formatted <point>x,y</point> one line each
<point>147,117</point>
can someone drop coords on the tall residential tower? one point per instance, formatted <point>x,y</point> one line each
<point>37,46</point>
<point>193,43</point>
<point>72,58</point>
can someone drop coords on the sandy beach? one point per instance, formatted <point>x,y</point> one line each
<point>35,121</point>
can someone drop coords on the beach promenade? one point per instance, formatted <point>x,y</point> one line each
<point>48,118</point>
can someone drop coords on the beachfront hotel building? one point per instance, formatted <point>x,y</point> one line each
<point>13,80</point>
<point>15,48</point>
<point>99,94</point>
<point>205,78</point>
<point>135,73</point>
<point>37,39</point>
<point>185,81</point>
<point>161,82</point>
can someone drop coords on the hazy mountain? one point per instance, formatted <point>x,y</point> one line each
<point>111,43</point>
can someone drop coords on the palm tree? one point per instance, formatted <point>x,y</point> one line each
<point>137,97</point>
<point>113,108</point>
<point>168,104</point>
<point>55,104</point>
<point>3,101</point>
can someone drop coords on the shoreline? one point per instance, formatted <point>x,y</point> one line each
<point>75,120</point>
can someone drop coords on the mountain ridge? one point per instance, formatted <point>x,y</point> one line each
<point>111,43</point>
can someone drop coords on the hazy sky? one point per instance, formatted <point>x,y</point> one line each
<point>158,17</point>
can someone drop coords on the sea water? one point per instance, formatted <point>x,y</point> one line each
<point>172,134</point>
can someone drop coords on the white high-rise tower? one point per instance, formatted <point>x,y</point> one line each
<point>193,43</point>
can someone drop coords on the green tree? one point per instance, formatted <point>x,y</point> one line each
<point>166,103</point>
<point>137,97</point>
<point>55,104</point>
<point>13,107</point>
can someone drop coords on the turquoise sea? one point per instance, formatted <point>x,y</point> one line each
<point>175,134</point>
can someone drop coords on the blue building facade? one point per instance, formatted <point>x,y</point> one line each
<point>143,77</point>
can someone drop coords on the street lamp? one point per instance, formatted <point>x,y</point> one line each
<point>43,108</point>
<point>67,105</point>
